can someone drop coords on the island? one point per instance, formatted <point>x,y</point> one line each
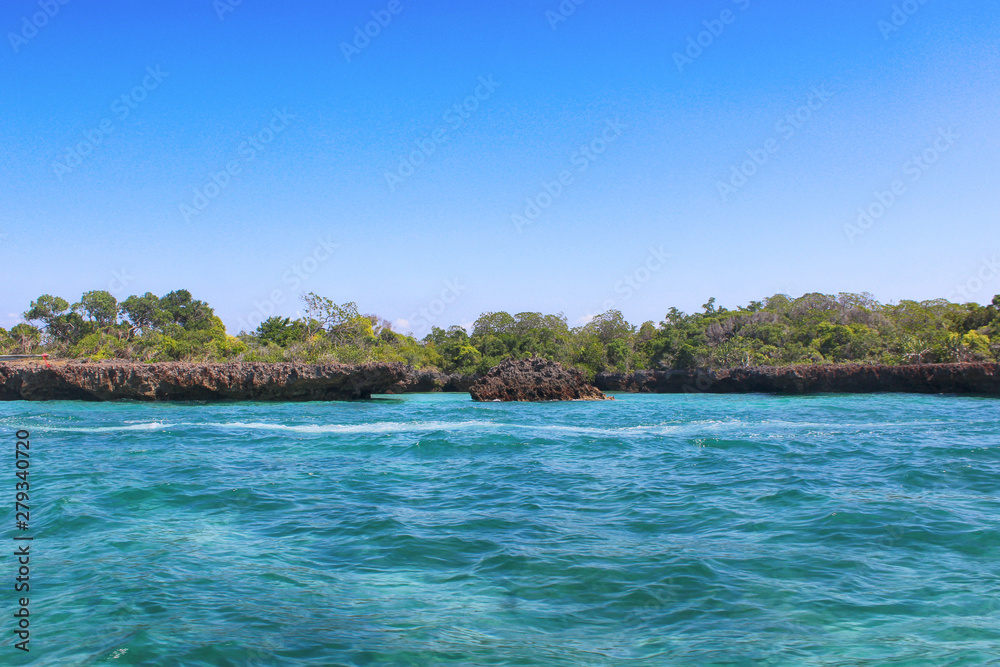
<point>174,347</point>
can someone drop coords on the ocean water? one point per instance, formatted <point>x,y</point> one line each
<point>431,530</point>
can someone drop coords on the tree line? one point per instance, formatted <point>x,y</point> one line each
<point>779,330</point>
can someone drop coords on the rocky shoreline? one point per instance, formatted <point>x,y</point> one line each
<point>429,380</point>
<point>965,378</point>
<point>112,381</point>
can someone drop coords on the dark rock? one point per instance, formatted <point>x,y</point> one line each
<point>967,378</point>
<point>533,379</point>
<point>426,380</point>
<point>196,382</point>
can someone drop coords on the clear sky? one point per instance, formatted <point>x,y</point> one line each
<point>248,151</point>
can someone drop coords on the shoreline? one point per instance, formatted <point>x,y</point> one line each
<point>295,382</point>
<point>971,378</point>
<point>176,381</point>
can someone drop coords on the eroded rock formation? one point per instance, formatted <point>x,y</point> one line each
<point>969,378</point>
<point>110,381</point>
<point>533,379</point>
<point>425,380</point>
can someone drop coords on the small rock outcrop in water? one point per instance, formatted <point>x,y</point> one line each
<point>196,382</point>
<point>966,378</point>
<point>533,379</point>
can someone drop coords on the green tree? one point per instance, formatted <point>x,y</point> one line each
<point>493,324</point>
<point>45,308</point>
<point>144,312</point>
<point>26,337</point>
<point>975,347</point>
<point>183,310</point>
<point>342,323</point>
<point>610,326</point>
<point>101,307</point>
<point>281,332</point>
<point>60,324</point>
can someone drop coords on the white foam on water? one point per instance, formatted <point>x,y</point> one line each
<point>663,429</point>
<point>370,427</point>
<point>144,426</point>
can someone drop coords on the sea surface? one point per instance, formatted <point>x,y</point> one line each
<point>431,530</point>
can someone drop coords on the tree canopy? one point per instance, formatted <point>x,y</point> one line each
<point>776,330</point>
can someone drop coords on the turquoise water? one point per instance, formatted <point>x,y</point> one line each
<point>430,530</point>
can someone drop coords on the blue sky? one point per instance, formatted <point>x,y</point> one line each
<point>243,152</point>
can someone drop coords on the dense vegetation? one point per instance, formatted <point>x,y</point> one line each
<point>814,328</point>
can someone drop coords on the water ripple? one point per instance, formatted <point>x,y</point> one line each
<point>681,530</point>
